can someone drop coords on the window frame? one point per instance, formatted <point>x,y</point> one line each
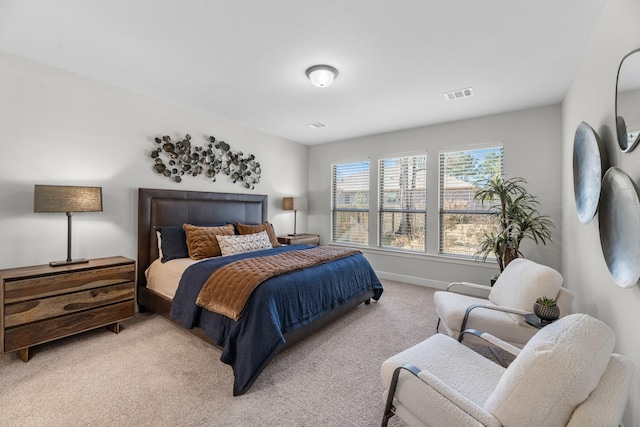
<point>442,212</point>
<point>361,210</point>
<point>383,192</point>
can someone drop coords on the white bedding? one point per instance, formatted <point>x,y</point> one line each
<point>163,278</point>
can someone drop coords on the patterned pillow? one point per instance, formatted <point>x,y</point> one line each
<point>230,245</point>
<point>256,228</point>
<point>202,242</point>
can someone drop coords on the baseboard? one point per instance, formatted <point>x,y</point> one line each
<point>435,284</point>
<point>412,280</point>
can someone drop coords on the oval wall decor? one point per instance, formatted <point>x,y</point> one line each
<point>619,219</point>
<point>588,167</point>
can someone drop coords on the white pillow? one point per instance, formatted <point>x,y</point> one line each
<point>159,237</point>
<point>230,245</point>
<point>554,373</point>
<point>522,282</point>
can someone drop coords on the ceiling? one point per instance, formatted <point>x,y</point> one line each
<point>245,60</point>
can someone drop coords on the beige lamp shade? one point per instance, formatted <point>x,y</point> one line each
<point>295,203</point>
<point>64,198</point>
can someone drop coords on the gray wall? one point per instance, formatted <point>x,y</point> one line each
<point>62,129</point>
<point>532,150</point>
<point>591,98</point>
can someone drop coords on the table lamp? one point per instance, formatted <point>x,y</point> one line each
<point>294,204</point>
<point>69,199</point>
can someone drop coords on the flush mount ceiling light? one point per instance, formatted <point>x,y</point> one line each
<point>322,75</point>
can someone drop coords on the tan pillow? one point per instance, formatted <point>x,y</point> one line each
<point>202,242</point>
<point>252,229</point>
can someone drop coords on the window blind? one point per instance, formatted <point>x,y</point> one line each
<point>403,202</point>
<point>463,220</point>
<point>350,202</point>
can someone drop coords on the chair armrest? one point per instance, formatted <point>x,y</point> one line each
<point>511,310</point>
<point>488,307</point>
<point>494,340</point>
<point>468,285</point>
<point>456,407</point>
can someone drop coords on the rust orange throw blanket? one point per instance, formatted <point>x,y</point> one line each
<point>228,289</point>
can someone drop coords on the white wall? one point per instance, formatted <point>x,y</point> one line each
<point>61,129</point>
<point>532,149</point>
<point>591,98</point>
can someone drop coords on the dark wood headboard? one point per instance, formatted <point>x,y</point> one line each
<point>176,207</point>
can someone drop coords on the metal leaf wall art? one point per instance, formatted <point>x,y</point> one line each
<point>177,159</point>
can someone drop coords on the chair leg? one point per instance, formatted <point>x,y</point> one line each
<point>385,418</point>
<point>438,325</point>
<point>388,408</point>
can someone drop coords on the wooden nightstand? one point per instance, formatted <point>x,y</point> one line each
<point>309,239</point>
<point>43,303</point>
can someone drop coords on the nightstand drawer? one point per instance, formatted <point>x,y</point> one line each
<point>44,308</point>
<point>56,284</point>
<point>58,327</point>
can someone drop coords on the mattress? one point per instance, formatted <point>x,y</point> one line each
<point>163,278</point>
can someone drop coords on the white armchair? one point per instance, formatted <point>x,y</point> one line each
<point>502,312</point>
<point>565,375</point>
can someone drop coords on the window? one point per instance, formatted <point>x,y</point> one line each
<point>350,203</point>
<point>463,220</point>
<point>403,202</point>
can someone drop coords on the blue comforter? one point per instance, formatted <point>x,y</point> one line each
<point>277,306</point>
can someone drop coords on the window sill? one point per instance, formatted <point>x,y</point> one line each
<point>451,259</point>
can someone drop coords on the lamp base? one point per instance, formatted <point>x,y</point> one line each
<point>73,261</point>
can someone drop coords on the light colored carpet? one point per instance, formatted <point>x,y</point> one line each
<point>155,374</point>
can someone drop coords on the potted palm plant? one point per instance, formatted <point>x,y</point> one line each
<point>515,211</point>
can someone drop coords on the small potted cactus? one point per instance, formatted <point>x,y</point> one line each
<point>546,309</point>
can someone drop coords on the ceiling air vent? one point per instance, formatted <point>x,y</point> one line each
<point>316,125</point>
<point>458,94</point>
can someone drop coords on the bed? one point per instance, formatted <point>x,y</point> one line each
<point>268,325</point>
